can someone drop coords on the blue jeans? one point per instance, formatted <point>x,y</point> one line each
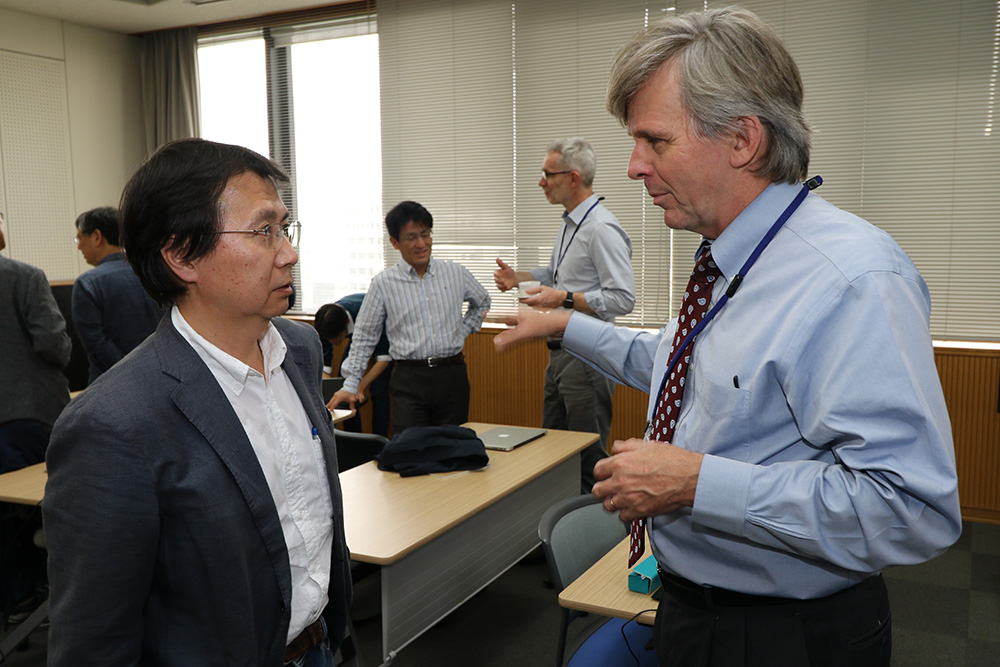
<point>318,656</point>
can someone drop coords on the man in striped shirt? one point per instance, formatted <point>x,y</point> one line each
<point>421,301</point>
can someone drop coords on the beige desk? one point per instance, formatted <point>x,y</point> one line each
<point>603,589</point>
<point>24,487</point>
<point>440,539</point>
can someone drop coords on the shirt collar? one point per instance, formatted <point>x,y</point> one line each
<point>113,257</point>
<point>735,244</point>
<point>229,370</point>
<point>576,216</point>
<point>408,270</point>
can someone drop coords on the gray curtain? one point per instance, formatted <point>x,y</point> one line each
<point>170,86</point>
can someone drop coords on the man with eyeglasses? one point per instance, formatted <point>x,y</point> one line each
<point>590,271</point>
<point>422,304</point>
<point>111,311</point>
<point>193,511</point>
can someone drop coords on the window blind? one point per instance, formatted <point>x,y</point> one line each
<point>901,95</point>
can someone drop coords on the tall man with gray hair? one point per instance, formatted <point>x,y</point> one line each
<point>797,440</point>
<point>590,271</point>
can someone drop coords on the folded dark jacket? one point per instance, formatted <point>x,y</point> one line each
<point>421,450</point>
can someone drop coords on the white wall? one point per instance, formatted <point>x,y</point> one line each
<point>90,106</point>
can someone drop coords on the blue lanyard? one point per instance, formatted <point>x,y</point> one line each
<point>811,184</point>
<point>563,251</point>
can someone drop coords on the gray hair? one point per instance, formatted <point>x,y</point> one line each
<point>578,155</point>
<point>730,65</point>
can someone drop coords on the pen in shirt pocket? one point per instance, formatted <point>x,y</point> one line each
<point>736,383</point>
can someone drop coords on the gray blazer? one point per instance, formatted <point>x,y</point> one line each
<point>165,546</point>
<point>35,346</point>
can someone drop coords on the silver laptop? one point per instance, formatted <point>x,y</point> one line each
<point>506,438</point>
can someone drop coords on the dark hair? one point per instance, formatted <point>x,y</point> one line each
<point>330,320</point>
<point>104,219</point>
<point>172,202</point>
<point>405,212</point>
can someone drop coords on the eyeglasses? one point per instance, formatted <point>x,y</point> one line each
<point>546,175</point>
<point>425,235</point>
<point>273,233</point>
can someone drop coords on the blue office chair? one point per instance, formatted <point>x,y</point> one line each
<point>575,534</point>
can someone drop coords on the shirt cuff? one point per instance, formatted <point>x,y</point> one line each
<point>581,334</point>
<point>383,357</point>
<point>721,498</point>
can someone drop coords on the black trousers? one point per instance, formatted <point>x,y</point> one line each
<point>424,396</point>
<point>852,628</point>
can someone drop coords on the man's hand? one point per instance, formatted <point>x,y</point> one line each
<point>531,324</point>
<point>504,277</point>
<point>545,297</point>
<point>643,478</point>
<point>352,399</point>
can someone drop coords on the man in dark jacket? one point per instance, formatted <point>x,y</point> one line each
<point>33,391</point>
<point>193,511</point>
<point>111,311</point>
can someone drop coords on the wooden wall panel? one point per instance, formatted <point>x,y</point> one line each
<point>507,387</point>
<point>970,380</point>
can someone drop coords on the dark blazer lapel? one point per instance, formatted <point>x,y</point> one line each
<point>202,401</point>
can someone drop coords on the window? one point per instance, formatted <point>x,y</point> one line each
<point>307,96</point>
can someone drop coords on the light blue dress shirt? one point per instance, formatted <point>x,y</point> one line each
<point>815,398</point>
<point>424,317</point>
<point>596,261</point>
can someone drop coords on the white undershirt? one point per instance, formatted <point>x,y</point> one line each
<point>291,458</point>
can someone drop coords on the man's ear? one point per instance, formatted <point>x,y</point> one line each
<point>98,237</point>
<point>184,269</point>
<point>747,143</point>
<point>394,242</point>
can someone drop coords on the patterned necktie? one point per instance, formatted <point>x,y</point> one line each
<point>668,410</point>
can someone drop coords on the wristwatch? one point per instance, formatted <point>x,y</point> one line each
<point>568,303</point>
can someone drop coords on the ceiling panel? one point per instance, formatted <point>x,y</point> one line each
<point>137,16</point>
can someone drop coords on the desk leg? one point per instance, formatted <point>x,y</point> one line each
<point>426,585</point>
<point>26,627</point>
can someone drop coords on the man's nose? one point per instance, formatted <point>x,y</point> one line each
<point>638,163</point>
<point>287,254</point>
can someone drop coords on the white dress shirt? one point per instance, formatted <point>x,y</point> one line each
<point>290,457</point>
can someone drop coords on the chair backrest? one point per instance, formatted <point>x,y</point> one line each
<point>354,449</point>
<point>576,533</point>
